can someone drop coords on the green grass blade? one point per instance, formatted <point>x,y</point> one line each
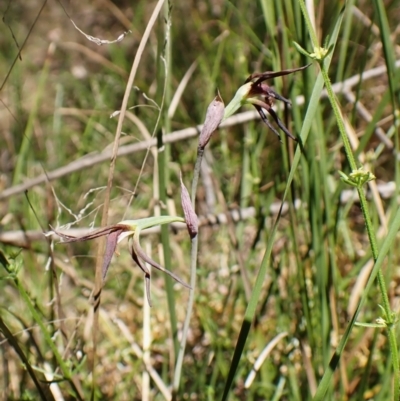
<point>66,371</point>
<point>251,307</point>
<point>385,248</point>
<point>26,145</point>
<point>388,49</point>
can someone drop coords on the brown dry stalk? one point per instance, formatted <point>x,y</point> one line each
<point>100,250</point>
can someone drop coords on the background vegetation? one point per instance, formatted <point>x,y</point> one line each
<point>56,99</point>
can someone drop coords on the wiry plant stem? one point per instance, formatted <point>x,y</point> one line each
<point>364,207</point>
<point>196,175</point>
<point>186,324</point>
<point>193,269</point>
<point>371,235</point>
<point>214,116</point>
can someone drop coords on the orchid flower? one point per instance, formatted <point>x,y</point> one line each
<point>254,88</point>
<point>130,229</point>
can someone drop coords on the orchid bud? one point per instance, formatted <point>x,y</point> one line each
<point>188,210</point>
<point>214,115</point>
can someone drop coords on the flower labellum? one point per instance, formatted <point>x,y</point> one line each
<point>253,88</point>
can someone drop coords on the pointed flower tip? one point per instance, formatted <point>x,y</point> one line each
<point>218,98</point>
<point>214,116</point>
<point>256,78</point>
<point>188,210</point>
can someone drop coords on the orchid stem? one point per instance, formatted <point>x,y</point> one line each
<point>193,269</point>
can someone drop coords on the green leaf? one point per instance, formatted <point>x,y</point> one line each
<point>301,49</point>
<point>153,221</point>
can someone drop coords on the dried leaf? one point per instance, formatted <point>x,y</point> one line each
<point>98,41</point>
<point>92,235</point>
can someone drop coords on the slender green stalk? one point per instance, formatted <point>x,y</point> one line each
<point>370,231</point>
<point>196,175</point>
<point>26,145</point>
<point>193,273</point>
<point>311,32</point>
<point>214,116</point>
<point>189,309</point>
<point>384,250</point>
<point>389,317</point>
<point>163,162</point>
<point>339,119</point>
<point>364,207</point>
<point>388,51</point>
<point>165,233</point>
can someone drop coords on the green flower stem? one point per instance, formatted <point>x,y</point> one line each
<point>193,272</point>
<point>163,173</point>
<point>364,207</point>
<point>385,299</point>
<point>370,231</point>
<point>186,324</point>
<point>339,119</point>
<point>169,286</point>
<point>310,28</point>
<point>196,175</point>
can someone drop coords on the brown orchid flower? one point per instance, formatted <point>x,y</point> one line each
<point>253,89</point>
<point>128,229</point>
